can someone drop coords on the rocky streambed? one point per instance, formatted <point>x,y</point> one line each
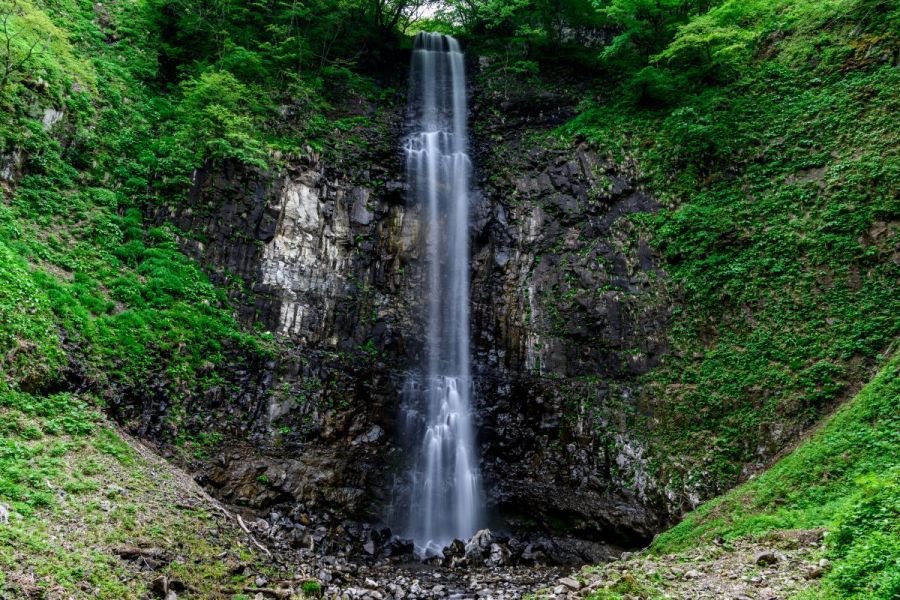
<point>489,567</point>
<point>351,560</point>
<point>417,581</point>
<point>768,568</point>
<point>300,553</point>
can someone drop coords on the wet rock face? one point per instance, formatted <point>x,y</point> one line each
<point>316,257</point>
<point>568,308</point>
<point>319,261</point>
<point>571,309</point>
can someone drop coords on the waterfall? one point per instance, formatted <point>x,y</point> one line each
<point>445,501</point>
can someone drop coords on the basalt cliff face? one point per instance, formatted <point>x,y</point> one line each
<point>568,306</point>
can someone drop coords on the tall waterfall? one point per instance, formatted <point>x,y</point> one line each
<point>446,494</point>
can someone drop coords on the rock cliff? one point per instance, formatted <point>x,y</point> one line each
<point>568,308</point>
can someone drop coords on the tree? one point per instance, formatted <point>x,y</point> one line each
<point>15,53</point>
<point>541,21</point>
<point>645,27</point>
<point>217,119</point>
<point>390,15</point>
<point>709,49</point>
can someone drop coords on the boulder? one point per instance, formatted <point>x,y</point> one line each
<point>478,548</point>
<point>765,558</point>
<point>500,555</point>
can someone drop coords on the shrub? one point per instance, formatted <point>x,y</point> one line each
<point>216,121</point>
<point>312,589</point>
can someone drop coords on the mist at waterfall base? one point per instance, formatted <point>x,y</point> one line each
<point>445,498</point>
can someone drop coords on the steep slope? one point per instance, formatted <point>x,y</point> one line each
<point>112,305</point>
<point>764,535</point>
<point>668,290</point>
<point>95,514</point>
<point>846,478</point>
<point>776,166</point>
<point>98,308</point>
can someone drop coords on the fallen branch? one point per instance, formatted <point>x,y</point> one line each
<point>199,493</point>
<point>252,539</point>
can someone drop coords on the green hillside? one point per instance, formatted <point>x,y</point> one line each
<point>766,129</point>
<point>844,478</point>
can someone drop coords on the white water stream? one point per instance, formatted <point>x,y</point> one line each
<point>445,501</point>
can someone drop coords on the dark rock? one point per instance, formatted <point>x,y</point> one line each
<point>479,545</point>
<point>163,587</point>
<point>500,556</point>
<point>455,554</point>
<point>150,558</point>
<point>399,548</point>
<point>326,256</point>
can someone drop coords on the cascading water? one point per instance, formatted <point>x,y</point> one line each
<point>445,501</point>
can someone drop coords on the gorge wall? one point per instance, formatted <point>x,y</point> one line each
<point>568,308</point>
<point>169,271</point>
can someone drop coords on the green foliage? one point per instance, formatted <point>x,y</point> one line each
<point>845,477</point>
<point>499,24</point>
<point>626,587</point>
<point>311,589</point>
<point>764,128</point>
<point>77,490</point>
<point>77,260</point>
<point>654,87</point>
<point>645,27</point>
<point>702,42</point>
<point>29,342</point>
<point>216,120</point>
<point>698,140</point>
<point>77,256</point>
<point>27,460</point>
<point>865,542</point>
<point>260,41</point>
<point>32,46</point>
<point>774,232</point>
